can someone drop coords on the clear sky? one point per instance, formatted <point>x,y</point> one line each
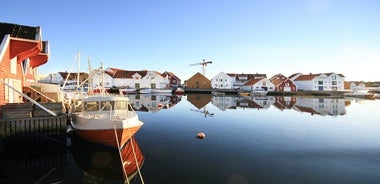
<point>239,36</point>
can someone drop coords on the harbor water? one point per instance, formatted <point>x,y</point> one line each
<point>247,140</point>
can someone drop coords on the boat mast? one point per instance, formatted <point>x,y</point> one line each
<point>78,74</point>
<point>90,75</point>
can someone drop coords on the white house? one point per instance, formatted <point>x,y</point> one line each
<point>134,79</point>
<point>259,84</point>
<point>223,81</point>
<point>355,86</point>
<point>319,82</point>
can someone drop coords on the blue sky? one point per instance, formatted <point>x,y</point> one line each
<point>240,36</point>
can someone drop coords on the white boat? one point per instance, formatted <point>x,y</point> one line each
<point>361,94</point>
<point>161,90</point>
<point>217,93</point>
<point>179,91</point>
<point>127,90</point>
<point>258,92</point>
<point>107,120</point>
<point>145,90</point>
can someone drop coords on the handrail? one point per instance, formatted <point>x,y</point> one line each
<point>40,93</point>
<point>30,99</point>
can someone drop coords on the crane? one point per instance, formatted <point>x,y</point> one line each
<point>203,63</point>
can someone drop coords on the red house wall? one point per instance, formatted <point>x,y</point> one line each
<point>5,72</point>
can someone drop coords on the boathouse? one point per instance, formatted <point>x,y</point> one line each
<point>198,83</point>
<point>22,50</point>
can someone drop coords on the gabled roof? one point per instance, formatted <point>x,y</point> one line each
<point>278,79</point>
<point>252,82</point>
<point>328,74</point>
<point>311,76</point>
<point>248,75</point>
<point>307,77</point>
<point>171,74</point>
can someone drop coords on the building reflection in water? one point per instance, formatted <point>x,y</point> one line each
<point>153,102</point>
<point>102,164</point>
<point>314,106</point>
<point>200,101</point>
<point>319,106</point>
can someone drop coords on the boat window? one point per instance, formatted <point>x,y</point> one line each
<point>106,105</point>
<point>91,106</point>
<point>120,105</point>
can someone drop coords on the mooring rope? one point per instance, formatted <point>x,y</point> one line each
<point>133,149</point>
<point>121,157</point>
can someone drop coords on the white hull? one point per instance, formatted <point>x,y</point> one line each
<point>161,91</point>
<point>145,91</point>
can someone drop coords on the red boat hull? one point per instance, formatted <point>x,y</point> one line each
<point>107,137</point>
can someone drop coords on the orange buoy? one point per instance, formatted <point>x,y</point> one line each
<point>201,135</point>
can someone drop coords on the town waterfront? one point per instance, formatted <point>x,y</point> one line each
<point>248,140</point>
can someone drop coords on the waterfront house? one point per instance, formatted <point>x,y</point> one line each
<point>260,84</point>
<point>22,51</point>
<point>319,82</point>
<point>116,77</point>
<point>199,82</point>
<point>241,79</point>
<point>223,81</point>
<point>173,80</point>
<point>60,77</point>
<point>283,84</point>
<point>354,85</point>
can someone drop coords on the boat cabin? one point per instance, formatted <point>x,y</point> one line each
<point>92,104</point>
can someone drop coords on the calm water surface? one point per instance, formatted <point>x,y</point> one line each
<point>248,140</point>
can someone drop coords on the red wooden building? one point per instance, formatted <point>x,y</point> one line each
<point>283,84</point>
<point>21,52</point>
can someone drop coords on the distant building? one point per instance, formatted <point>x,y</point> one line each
<point>259,84</point>
<point>241,79</point>
<point>283,84</point>
<point>115,77</point>
<point>354,85</point>
<point>198,81</point>
<point>61,77</point>
<point>173,80</point>
<point>223,81</point>
<point>319,82</point>
<point>21,52</point>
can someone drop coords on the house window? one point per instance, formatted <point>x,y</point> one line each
<point>14,65</point>
<point>320,82</point>
<point>287,84</point>
<point>333,82</point>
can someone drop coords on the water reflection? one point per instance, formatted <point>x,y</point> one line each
<point>101,164</point>
<point>314,106</point>
<point>153,102</point>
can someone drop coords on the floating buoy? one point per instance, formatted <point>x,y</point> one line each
<point>201,135</point>
<point>159,105</point>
